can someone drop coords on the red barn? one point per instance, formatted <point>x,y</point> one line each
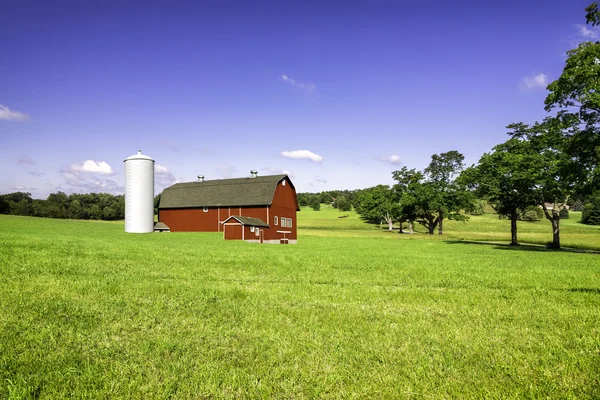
<point>256,209</point>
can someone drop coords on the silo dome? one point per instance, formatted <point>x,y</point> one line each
<point>139,193</point>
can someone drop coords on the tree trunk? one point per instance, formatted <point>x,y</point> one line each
<point>513,228</point>
<point>410,227</point>
<point>390,225</point>
<point>555,229</point>
<point>400,230</point>
<point>440,225</point>
<point>554,218</point>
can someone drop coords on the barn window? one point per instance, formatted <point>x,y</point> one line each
<point>283,222</point>
<point>289,222</point>
<point>275,221</point>
<point>205,209</point>
<point>251,229</point>
<point>256,231</point>
<point>283,183</point>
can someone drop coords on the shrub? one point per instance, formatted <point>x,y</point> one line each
<point>531,213</point>
<point>315,204</point>
<point>478,208</point>
<point>564,213</point>
<point>591,211</point>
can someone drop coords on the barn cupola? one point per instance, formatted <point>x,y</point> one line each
<point>253,173</point>
<point>200,178</point>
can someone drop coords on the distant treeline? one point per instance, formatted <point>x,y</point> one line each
<point>103,206</point>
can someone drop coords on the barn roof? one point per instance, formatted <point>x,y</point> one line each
<point>248,221</point>
<point>237,192</point>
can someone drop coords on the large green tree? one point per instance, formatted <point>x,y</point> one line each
<point>556,173</point>
<point>378,203</point>
<point>577,93</point>
<point>503,177</point>
<point>434,194</point>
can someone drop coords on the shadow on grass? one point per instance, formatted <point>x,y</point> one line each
<point>523,247</point>
<point>585,290</point>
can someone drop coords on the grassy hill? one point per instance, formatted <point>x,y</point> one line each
<point>89,311</point>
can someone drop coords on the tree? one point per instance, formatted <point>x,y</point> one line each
<point>406,180</point>
<point>377,204</point>
<point>342,204</point>
<point>315,204</point>
<point>503,178</point>
<point>450,197</point>
<point>591,210</point>
<point>577,92</point>
<point>556,173</point>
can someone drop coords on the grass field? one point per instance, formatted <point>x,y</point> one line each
<point>87,311</point>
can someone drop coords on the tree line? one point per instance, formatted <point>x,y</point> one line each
<point>102,206</point>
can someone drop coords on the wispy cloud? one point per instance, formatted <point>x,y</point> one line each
<point>588,33</point>
<point>90,175</point>
<point>320,179</point>
<point>534,82</point>
<point>302,155</point>
<point>225,171</point>
<point>393,159</point>
<point>307,87</point>
<point>163,177</point>
<point>25,160</point>
<point>277,171</point>
<point>8,114</point>
<point>36,173</point>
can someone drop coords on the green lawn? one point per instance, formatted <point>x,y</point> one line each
<point>89,311</point>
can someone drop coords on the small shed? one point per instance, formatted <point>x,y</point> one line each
<point>161,227</point>
<point>250,229</point>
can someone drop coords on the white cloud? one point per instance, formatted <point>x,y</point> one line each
<point>97,167</point>
<point>533,82</point>
<point>590,33</point>
<point>320,179</point>
<point>25,160</point>
<point>8,114</point>
<point>308,87</point>
<point>393,159</point>
<point>302,155</point>
<point>90,175</point>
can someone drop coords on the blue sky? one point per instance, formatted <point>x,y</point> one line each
<point>336,94</point>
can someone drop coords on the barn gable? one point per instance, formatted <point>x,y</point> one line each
<point>238,192</point>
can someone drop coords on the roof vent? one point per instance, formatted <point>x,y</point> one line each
<point>200,178</point>
<point>253,173</point>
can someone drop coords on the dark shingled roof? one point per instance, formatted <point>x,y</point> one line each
<point>237,192</point>
<point>248,221</point>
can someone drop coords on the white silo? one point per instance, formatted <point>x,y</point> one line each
<point>139,193</point>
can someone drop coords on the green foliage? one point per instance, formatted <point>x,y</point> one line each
<point>478,207</point>
<point>564,213</point>
<point>59,205</point>
<point>531,213</point>
<point>342,204</point>
<point>591,211</point>
<point>315,203</point>
<point>430,196</point>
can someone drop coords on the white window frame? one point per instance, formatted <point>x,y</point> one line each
<point>256,231</point>
<point>205,209</point>
<point>275,220</point>
<point>290,222</point>
<point>251,229</point>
